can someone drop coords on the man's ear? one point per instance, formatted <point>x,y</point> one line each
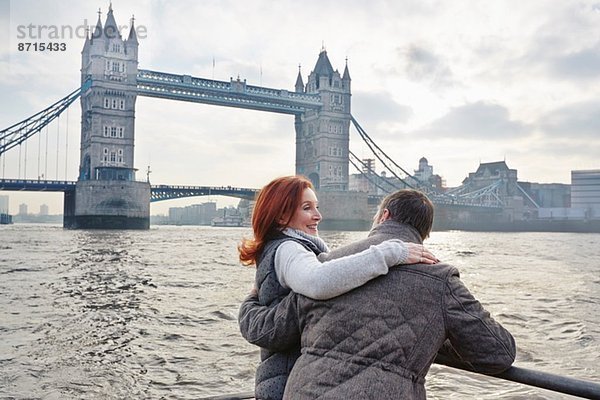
<point>385,215</point>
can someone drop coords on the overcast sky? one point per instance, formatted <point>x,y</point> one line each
<point>459,82</point>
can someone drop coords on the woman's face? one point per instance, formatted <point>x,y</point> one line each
<point>307,216</point>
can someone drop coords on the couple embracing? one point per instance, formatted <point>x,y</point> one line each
<point>364,321</point>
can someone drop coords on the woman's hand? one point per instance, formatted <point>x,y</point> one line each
<point>253,291</point>
<point>418,254</point>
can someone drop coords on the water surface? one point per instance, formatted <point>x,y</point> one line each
<point>152,314</point>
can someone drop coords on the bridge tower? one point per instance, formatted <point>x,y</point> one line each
<point>107,194</point>
<point>323,137</point>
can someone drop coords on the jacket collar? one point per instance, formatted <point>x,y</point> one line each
<point>297,234</point>
<point>399,230</point>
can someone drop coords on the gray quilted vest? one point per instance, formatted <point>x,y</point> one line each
<point>273,371</point>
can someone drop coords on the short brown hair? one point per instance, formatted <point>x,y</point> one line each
<point>410,207</point>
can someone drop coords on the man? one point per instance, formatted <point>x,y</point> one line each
<point>379,340</point>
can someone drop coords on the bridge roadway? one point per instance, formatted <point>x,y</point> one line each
<point>168,192</point>
<point>158,192</point>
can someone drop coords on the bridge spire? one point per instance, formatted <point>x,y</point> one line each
<point>346,77</point>
<point>299,82</point>
<point>110,26</point>
<point>132,34</point>
<point>323,66</point>
<point>86,45</point>
<point>98,30</point>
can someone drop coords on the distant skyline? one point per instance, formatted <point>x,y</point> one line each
<point>458,82</point>
<point>44,209</point>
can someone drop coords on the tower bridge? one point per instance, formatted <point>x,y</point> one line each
<point>107,193</point>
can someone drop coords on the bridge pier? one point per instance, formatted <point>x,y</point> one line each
<point>69,209</point>
<point>344,210</point>
<point>108,205</point>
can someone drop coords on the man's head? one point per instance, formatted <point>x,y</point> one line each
<point>409,207</point>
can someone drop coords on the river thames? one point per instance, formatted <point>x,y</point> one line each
<point>153,314</point>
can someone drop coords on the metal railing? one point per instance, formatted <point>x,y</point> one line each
<point>168,192</point>
<point>36,185</point>
<point>556,383</point>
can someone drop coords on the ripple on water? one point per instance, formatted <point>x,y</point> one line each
<point>114,315</point>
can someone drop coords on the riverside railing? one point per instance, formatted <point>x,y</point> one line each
<point>556,383</point>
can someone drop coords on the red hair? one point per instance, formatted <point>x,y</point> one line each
<point>275,205</point>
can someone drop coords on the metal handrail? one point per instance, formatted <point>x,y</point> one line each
<point>556,383</point>
<point>544,380</point>
<point>233,396</point>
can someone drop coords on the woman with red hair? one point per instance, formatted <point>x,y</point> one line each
<point>285,250</point>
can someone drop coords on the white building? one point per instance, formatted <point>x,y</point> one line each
<point>4,205</point>
<point>585,191</point>
<point>23,209</point>
<point>195,214</point>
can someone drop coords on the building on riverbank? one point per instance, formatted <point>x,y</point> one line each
<point>585,192</point>
<point>5,218</point>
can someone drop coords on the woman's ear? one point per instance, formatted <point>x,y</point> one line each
<point>283,220</point>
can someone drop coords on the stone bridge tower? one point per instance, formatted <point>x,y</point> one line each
<point>322,138</point>
<point>107,194</point>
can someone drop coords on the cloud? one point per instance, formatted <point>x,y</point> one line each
<point>565,43</point>
<point>412,62</point>
<point>578,151</point>
<point>423,65</point>
<point>480,121</point>
<point>583,64</point>
<point>579,120</point>
<point>372,108</point>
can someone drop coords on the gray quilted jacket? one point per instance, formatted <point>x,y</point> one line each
<point>378,341</point>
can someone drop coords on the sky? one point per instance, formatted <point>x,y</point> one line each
<point>458,82</point>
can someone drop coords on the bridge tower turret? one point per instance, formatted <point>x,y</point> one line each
<point>107,194</point>
<point>299,83</point>
<point>322,137</point>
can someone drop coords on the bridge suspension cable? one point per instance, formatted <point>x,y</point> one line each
<point>487,196</point>
<point>46,155</point>
<point>381,155</point>
<point>21,131</point>
<point>25,162</point>
<point>3,159</point>
<point>370,177</point>
<point>66,146</point>
<point>57,143</point>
